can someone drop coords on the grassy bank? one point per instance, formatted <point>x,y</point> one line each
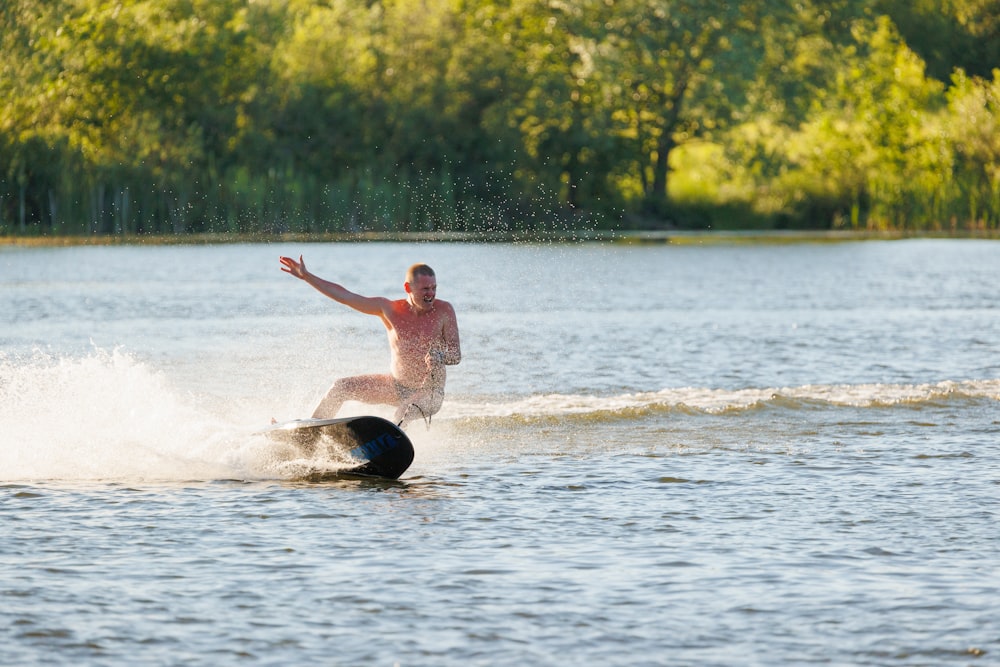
<point>677,237</point>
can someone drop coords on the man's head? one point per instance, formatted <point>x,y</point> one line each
<point>418,270</point>
<point>421,286</point>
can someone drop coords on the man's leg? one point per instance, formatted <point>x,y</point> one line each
<point>379,389</point>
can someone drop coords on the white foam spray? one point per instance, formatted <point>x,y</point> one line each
<point>109,416</point>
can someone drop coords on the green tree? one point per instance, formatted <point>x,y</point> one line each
<point>147,93</point>
<point>973,124</point>
<point>557,102</point>
<point>863,147</point>
<point>32,141</point>
<point>233,115</point>
<point>407,95</point>
<point>678,68</point>
<point>949,34</point>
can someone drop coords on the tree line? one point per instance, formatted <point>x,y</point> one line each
<point>271,116</point>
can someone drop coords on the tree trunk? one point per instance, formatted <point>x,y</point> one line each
<point>97,209</point>
<point>53,211</point>
<point>22,192</point>
<point>661,166</point>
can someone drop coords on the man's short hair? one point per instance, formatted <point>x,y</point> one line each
<point>419,270</point>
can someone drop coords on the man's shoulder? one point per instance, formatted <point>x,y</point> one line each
<point>446,307</point>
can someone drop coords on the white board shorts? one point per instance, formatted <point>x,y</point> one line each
<point>417,404</point>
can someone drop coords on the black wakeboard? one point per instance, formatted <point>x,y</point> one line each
<point>376,446</point>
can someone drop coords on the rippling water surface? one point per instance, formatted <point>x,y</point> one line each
<point>683,455</point>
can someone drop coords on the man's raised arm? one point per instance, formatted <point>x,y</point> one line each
<point>339,293</point>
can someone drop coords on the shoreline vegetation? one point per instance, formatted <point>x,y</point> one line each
<point>635,237</point>
<point>148,120</point>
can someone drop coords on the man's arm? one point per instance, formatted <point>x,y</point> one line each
<point>452,348</point>
<point>339,293</point>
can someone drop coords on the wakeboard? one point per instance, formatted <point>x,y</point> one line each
<point>376,447</point>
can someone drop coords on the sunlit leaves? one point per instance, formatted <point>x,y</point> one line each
<point>329,114</point>
<point>973,124</point>
<point>671,55</point>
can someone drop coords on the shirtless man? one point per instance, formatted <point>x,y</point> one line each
<point>423,339</point>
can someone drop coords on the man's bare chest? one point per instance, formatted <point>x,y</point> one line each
<point>416,331</point>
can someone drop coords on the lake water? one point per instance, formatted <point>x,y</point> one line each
<point>717,454</point>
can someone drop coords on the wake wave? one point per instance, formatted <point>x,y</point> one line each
<point>695,400</point>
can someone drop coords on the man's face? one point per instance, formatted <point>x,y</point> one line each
<point>422,291</point>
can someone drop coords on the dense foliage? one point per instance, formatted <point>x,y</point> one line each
<point>262,116</point>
